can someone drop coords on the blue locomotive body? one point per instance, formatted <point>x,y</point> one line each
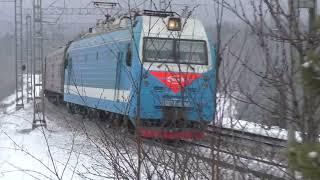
<point>95,73</point>
<point>145,70</point>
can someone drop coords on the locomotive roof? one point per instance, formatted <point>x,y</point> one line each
<point>156,27</point>
<point>151,24</point>
<point>59,51</point>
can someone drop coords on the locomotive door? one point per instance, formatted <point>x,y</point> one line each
<point>118,77</point>
<point>68,68</point>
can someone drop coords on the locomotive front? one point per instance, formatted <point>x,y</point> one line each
<point>178,77</point>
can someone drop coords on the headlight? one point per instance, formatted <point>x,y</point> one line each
<point>146,83</point>
<point>174,24</point>
<point>205,85</point>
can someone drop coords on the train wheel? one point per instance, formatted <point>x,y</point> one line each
<point>70,108</point>
<point>94,114</point>
<point>84,112</point>
<point>124,123</point>
<point>90,113</point>
<point>116,120</point>
<point>57,99</point>
<point>101,115</point>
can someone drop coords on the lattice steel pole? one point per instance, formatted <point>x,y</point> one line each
<point>38,64</point>
<point>29,57</point>
<point>19,64</point>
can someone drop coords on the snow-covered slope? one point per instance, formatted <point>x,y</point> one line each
<point>225,117</point>
<point>29,154</point>
<point>63,149</point>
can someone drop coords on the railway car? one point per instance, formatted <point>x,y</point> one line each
<point>54,74</point>
<point>155,69</point>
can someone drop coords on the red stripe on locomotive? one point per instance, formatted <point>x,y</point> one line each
<point>176,81</point>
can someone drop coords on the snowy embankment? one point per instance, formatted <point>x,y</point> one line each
<point>7,104</point>
<point>226,111</point>
<point>53,153</point>
<point>26,153</point>
<point>60,152</point>
<point>256,128</point>
<point>57,152</point>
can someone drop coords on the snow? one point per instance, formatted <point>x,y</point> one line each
<point>226,111</point>
<point>27,154</point>
<point>24,152</point>
<point>7,105</point>
<point>313,155</point>
<point>58,151</point>
<point>307,64</point>
<point>64,152</point>
<point>255,128</point>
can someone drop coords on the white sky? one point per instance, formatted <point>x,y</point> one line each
<point>7,9</point>
<point>205,11</point>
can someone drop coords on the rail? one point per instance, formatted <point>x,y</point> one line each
<point>243,135</point>
<point>238,161</point>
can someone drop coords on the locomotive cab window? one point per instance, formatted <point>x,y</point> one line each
<point>158,50</point>
<point>181,51</point>
<point>129,56</point>
<point>193,52</point>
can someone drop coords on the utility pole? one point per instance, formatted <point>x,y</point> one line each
<point>297,60</point>
<point>294,6</point>
<point>38,67</point>
<point>312,131</point>
<point>19,62</point>
<point>289,95</point>
<point>311,134</point>
<point>292,25</point>
<point>312,16</point>
<point>29,57</point>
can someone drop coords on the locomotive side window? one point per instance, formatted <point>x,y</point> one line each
<point>97,55</point>
<point>164,50</point>
<point>66,59</point>
<point>70,62</point>
<point>129,56</point>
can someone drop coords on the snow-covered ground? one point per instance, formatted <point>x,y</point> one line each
<point>40,153</point>
<point>256,128</point>
<point>63,151</point>
<point>7,104</point>
<point>225,117</point>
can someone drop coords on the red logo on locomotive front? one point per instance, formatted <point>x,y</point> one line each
<point>176,81</point>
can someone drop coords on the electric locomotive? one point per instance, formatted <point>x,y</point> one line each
<point>155,69</point>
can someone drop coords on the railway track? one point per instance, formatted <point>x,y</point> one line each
<point>239,160</point>
<point>238,155</point>
<point>232,136</point>
<point>260,168</point>
<point>246,136</point>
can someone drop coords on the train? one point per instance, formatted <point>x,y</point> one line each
<point>154,71</point>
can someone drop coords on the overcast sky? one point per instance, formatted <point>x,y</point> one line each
<point>204,11</point>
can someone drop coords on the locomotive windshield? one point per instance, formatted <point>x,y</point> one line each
<point>161,50</point>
